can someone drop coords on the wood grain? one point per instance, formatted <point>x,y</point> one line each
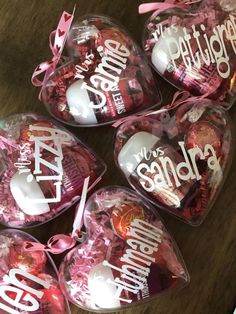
<point>209,250</point>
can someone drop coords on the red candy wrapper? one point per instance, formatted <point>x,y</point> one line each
<point>42,170</point>
<point>127,257</point>
<point>105,78</point>
<point>28,280</point>
<point>178,159</point>
<point>193,46</point>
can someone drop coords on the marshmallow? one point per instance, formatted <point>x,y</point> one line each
<point>102,293</point>
<point>161,56</point>
<point>78,101</point>
<point>130,154</point>
<point>28,194</point>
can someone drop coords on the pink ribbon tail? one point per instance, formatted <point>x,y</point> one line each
<point>179,98</point>
<point>61,242</point>
<point>131,118</point>
<point>153,6</point>
<point>7,141</point>
<point>159,7</point>
<point>59,36</point>
<point>185,98</point>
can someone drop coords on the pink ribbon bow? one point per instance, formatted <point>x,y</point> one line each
<point>59,36</point>
<point>61,242</point>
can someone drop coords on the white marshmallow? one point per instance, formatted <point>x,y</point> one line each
<point>102,293</point>
<point>25,193</point>
<point>78,101</point>
<point>129,156</point>
<point>161,57</point>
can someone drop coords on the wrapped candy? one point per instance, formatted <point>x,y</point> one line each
<point>105,78</point>
<point>42,169</point>
<point>127,256</point>
<point>193,46</point>
<point>28,279</point>
<point>178,159</point>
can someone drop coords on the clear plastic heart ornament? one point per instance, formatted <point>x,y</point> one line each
<point>127,257</point>
<point>107,76</point>
<point>194,47</point>
<point>42,169</point>
<point>178,159</point>
<point>29,282</point>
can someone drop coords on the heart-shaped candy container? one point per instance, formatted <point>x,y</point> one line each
<point>127,257</point>
<point>29,282</point>
<point>178,160</point>
<point>108,78</point>
<point>42,169</point>
<point>194,48</point>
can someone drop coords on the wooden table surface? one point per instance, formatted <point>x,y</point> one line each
<point>209,250</point>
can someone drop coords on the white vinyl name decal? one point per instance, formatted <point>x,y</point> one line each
<point>216,51</point>
<point>16,293</point>
<point>143,241</point>
<point>160,172</point>
<point>106,77</point>
<point>51,142</point>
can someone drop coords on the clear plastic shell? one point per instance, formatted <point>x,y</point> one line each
<point>194,49</point>
<point>179,159</point>
<point>42,169</point>
<point>106,78</point>
<point>127,257</point>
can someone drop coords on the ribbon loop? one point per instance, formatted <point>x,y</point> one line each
<point>56,244</point>
<point>179,98</point>
<point>57,40</point>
